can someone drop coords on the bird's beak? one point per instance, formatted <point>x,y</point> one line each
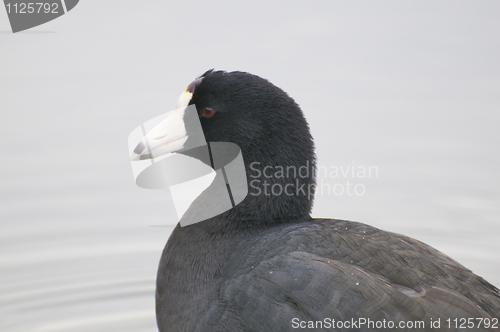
<point>168,136</point>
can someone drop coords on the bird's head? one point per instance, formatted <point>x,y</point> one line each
<point>267,125</point>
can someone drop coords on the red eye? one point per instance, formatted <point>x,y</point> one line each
<point>208,112</point>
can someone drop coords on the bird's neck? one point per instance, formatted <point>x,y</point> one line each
<point>280,189</point>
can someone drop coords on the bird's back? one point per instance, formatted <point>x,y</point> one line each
<point>322,270</point>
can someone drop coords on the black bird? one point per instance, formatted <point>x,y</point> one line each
<point>266,265</point>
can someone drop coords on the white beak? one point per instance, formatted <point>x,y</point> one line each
<point>168,136</point>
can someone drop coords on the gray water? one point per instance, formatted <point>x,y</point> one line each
<point>411,89</point>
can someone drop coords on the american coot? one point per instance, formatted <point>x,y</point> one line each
<point>266,265</point>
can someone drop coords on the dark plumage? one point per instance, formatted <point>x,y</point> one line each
<point>265,262</point>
